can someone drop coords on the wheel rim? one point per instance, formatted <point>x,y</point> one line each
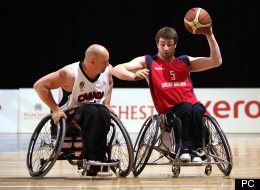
<point>219,146</point>
<point>121,147</point>
<point>44,147</point>
<point>146,144</point>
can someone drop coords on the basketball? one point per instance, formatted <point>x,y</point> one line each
<point>197,21</point>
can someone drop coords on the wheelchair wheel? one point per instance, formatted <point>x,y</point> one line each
<point>140,132</point>
<point>120,147</point>
<point>219,146</point>
<point>45,146</point>
<point>146,144</point>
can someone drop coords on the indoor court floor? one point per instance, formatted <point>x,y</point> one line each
<point>14,173</point>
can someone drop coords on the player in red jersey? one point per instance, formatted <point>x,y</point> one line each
<point>170,84</point>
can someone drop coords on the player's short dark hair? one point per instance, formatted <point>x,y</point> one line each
<point>167,33</point>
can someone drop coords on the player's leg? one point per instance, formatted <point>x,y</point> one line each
<point>87,118</point>
<point>184,112</point>
<point>94,120</point>
<point>198,113</point>
<point>102,129</point>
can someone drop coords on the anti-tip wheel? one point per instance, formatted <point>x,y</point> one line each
<point>81,172</point>
<point>176,170</point>
<point>208,170</point>
<point>117,172</point>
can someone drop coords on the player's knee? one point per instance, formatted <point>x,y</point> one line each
<point>103,111</point>
<point>90,110</point>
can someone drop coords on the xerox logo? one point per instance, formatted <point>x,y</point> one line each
<point>224,109</point>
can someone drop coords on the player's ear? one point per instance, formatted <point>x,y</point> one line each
<point>92,60</point>
<point>175,45</point>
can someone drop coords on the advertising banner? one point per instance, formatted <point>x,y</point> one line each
<point>8,111</point>
<point>31,110</point>
<point>236,110</point>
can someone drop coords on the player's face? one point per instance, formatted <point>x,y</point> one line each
<point>166,48</point>
<point>103,62</point>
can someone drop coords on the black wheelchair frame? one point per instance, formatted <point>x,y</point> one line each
<point>46,147</point>
<point>216,149</point>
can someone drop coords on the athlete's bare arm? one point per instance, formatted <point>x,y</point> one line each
<point>132,71</point>
<point>204,63</point>
<point>63,78</point>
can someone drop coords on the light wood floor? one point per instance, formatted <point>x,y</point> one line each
<point>14,173</point>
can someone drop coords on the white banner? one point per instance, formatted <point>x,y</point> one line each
<point>132,106</point>
<point>8,111</point>
<point>31,110</point>
<point>236,110</point>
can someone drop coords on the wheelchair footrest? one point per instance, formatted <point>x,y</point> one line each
<point>91,163</point>
<point>94,168</point>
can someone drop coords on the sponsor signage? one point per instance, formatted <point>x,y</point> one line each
<point>31,110</point>
<point>8,111</point>
<point>236,110</point>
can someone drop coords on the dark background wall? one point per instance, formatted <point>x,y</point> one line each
<point>40,37</point>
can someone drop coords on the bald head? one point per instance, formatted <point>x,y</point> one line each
<point>96,60</point>
<point>96,50</point>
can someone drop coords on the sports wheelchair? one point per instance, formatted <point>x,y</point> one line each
<point>51,142</point>
<point>215,146</point>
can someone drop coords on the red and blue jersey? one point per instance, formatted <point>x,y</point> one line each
<point>170,83</point>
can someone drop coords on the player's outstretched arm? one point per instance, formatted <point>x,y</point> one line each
<point>127,71</point>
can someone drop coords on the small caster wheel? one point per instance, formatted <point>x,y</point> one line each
<point>117,172</point>
<point>176,170</point>
<point>81,172</point>
<point>208,170</point>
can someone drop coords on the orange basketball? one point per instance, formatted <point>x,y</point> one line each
<point>197,21</point>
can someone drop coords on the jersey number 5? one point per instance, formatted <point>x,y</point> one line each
<point>172,75</point>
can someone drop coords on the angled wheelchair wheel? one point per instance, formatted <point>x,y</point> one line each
<point>140,133</point>
<point>145,144</point>
<point>120,147</point>
<point>45,146</point>
<point>218,145</point>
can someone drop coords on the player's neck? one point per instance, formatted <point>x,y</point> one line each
<point>166,59</point>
